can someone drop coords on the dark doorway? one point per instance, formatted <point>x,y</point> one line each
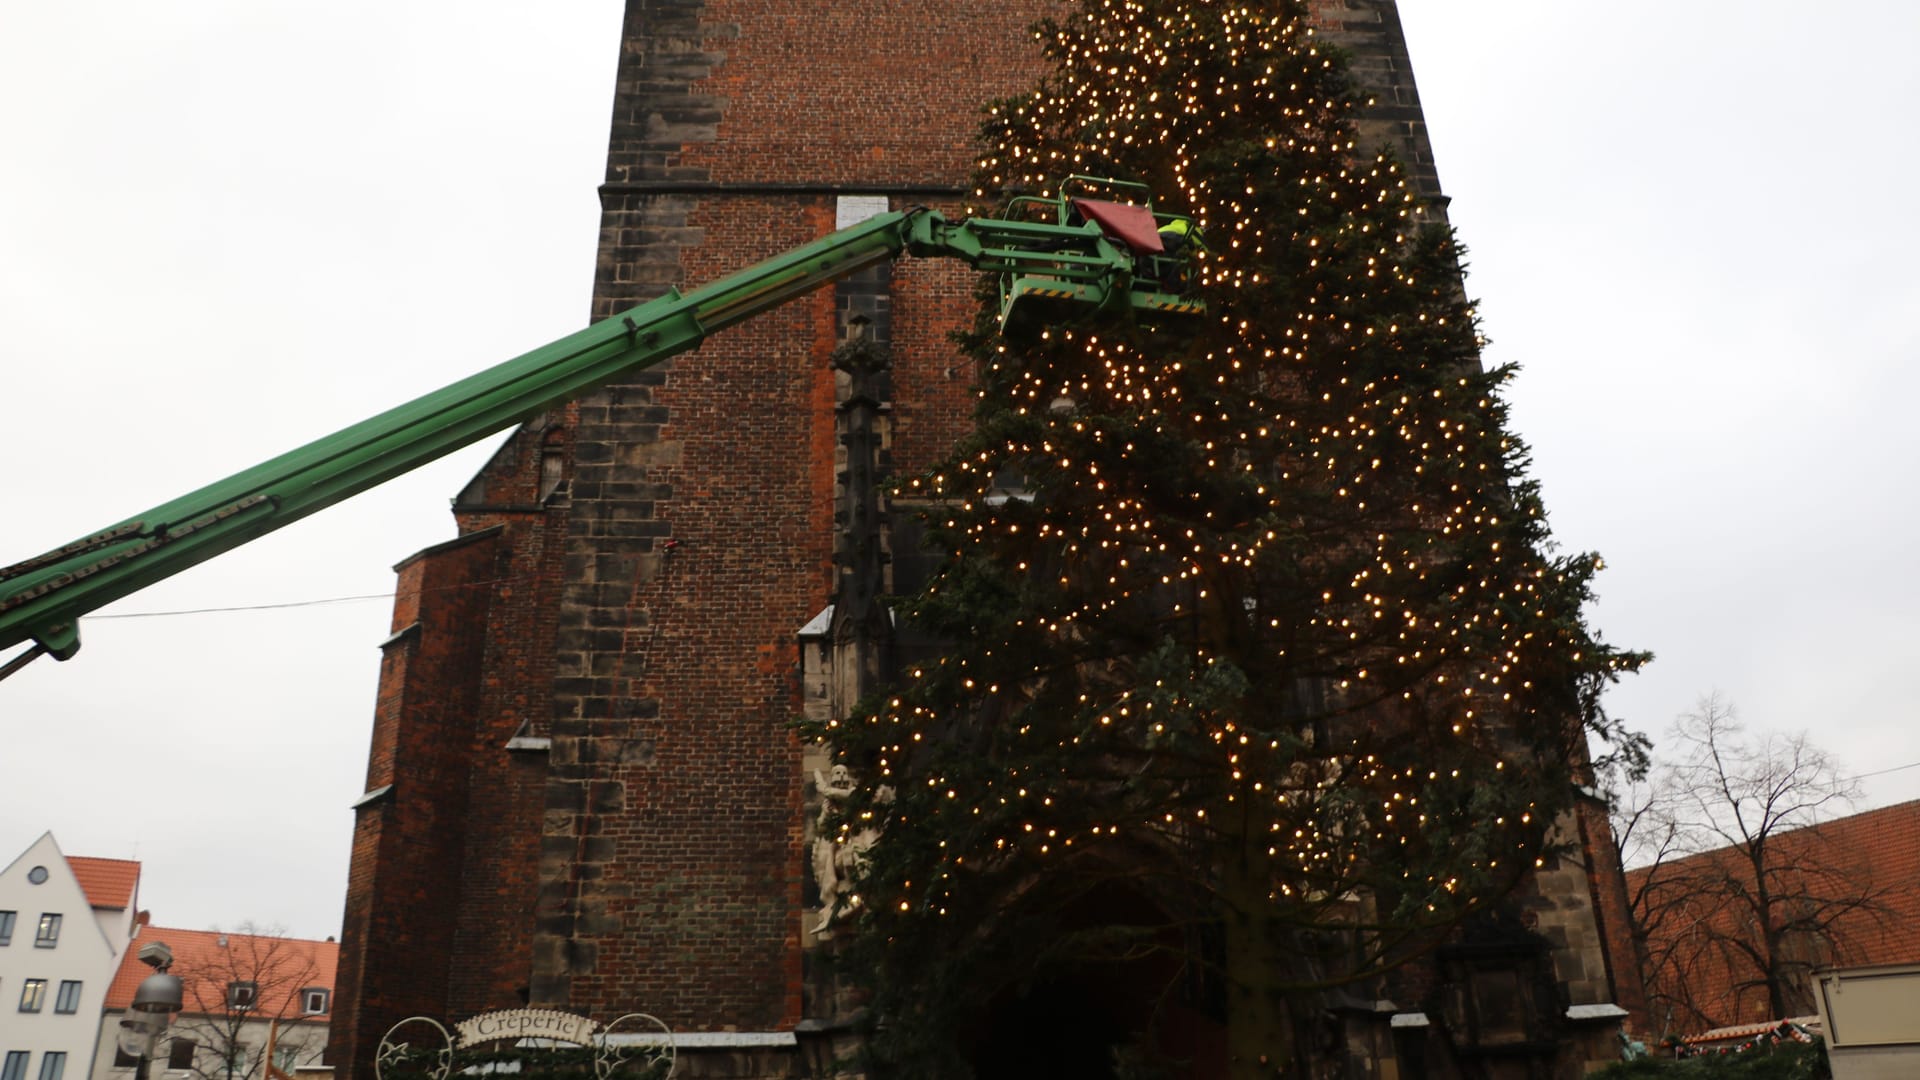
<point>1146,1014</point>
<point>1059,1030</point>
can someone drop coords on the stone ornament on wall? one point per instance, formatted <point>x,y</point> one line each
<point>837,862</point>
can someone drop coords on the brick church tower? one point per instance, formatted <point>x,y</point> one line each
<point>583,790</point>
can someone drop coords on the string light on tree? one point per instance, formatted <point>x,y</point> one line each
<point>1273,632</point>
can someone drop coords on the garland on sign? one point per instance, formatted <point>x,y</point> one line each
<point>1788,1031</point>
<point>523,1063</point>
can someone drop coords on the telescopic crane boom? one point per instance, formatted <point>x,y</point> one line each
<point>42,599</point>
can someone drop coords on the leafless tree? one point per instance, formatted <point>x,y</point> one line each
<point>1735,891</point>
<point>237,986</point>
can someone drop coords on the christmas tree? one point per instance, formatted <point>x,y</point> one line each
<point>1261,672</point>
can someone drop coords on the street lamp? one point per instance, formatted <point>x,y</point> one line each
<point>156,998</point>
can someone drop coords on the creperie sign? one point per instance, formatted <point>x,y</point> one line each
<point>526,1024</point>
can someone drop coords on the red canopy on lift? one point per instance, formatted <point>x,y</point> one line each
<point>1131,225</point>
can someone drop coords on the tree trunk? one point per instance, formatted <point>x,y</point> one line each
<point>1776,979</point>
<point>1259,965</point>
<point>1770,938</point>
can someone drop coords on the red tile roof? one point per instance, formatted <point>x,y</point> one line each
<point>207,960</point>
<point>108,883</point>
<point>1881,846</point>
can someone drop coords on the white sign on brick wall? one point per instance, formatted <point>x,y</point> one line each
<point>854,209</point>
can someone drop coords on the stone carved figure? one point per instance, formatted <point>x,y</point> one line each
<point>836,864</point>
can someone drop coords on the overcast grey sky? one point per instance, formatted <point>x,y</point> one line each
<point>230,226</point>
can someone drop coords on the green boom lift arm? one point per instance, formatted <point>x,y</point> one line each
<point>42,599</point>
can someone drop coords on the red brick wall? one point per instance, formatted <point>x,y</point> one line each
<point>673,872</point>
<point>396,938</point>
<point>933,396</point>
<point>493,937</point>
<point>877,91</point>
<point>647,623</point>
<point>444,869</point>
<point>488,967</point>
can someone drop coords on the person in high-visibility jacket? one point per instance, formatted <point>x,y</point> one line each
<point>1177,237</point>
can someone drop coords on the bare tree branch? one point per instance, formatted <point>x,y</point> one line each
<point>1735,895</point>
<point>237,988</point>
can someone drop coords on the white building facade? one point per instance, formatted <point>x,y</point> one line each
<point>64,926</point>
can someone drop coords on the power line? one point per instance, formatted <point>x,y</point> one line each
<point>1883,772</point>
<point>291,603</point>
<point>248,607</point>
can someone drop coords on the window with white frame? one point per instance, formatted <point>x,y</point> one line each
<point>242,995</point>
<point>180,1054</point>
<point>314,1000</point>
